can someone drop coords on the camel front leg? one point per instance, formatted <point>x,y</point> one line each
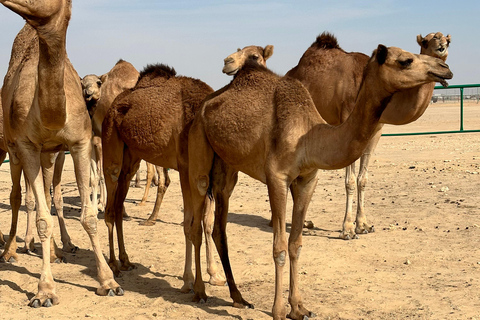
<point>30,157</point>
<point>163,183</point>
<point>148,184</point>
<point>348,231</point>
<point>81,154</point>
<point>97,154</point>
<point>302,190</point>
<point>10,252</point>
<point>362,225</point>
<point>277,193</point>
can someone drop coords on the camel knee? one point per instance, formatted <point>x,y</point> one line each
<point>362,181</point>
<point>90,224</point>
<point>44,229</point>
<point>202,185</point>
<point>294,252</point>
<point>280,258</point>
<point>113,172</point>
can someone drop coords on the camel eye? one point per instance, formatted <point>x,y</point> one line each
<point>255,57</point>
<point>405,63</point>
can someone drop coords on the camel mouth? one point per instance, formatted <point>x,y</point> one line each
<point>442,78</point>
<point>228,71</point>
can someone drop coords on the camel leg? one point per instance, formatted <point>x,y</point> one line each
<point>130,166</point>
<point>362,225</point>
<point>81,154</point>
<point>201,161</point>
<point>48,161</point>
<point>277,193</point>
<point>67,244</point>
<point>30,204</point>
<point>224,182</point>
<point>10,252</point>
<point>3,155</point>
<point>150,176</point>
<point>163,184</point>
<point>112,165</point>
<point>97,148</point>
<point>137,180</point>
<point>302,190</point>
<point>348,231</point>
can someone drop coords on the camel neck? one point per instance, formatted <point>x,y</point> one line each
<point>343,144</point>
<point>51,77</point>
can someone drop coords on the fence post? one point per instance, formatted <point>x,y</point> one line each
<point>461,109</point>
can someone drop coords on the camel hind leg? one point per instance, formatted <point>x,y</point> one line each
<point>10,252</point>
<point>130,166</point>
<point>3,155</point>
<point>224,181</point>
<point>163,183</point>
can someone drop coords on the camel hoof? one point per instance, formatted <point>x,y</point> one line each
<point>60,260</point>
<point>111,293</point>
<point>243,305</point>
<point>119,291</point>
<point>200,298</point>
<point>35,304</point>
<point>308,224</point>
<point>47,303</point>
<point>10,260</point>
<point>148,223</point>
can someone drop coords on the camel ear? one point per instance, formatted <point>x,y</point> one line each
<point>267,51</point>
<point>382,53</point>
<point>449,38</point>
<point>419,39</point>
<point>104,77</point>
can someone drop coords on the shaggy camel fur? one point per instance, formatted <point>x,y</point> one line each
<point>268,127</point>
<point>44,110</point>
<point>333,77</point>
<point>151,122</point>
<point>99,93</point>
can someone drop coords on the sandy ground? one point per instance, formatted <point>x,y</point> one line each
<point>422,262</point>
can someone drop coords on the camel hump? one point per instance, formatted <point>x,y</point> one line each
<point>120,61</point>
<point>158,70</point>
<point>326,41</point>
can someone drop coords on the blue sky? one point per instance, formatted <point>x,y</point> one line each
<point>195,36</point>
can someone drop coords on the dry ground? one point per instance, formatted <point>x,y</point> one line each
<point>422,262</point>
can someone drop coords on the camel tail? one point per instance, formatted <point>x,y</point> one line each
<point>326,41</point>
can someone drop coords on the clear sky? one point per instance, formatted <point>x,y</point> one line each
<point>194,36</point>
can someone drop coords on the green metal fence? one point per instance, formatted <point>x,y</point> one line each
<point>461,87</point>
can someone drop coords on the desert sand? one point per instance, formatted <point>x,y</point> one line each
<point>422,261</point>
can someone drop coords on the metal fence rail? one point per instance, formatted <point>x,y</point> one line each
<point>461,130</point>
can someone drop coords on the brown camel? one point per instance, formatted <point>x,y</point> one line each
<point>44,110</point>
<point>333,77</point>
<point>269,128</point>
<point>99,93</point>
<point>150,122</point>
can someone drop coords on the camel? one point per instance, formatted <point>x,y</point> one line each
<point>333,77</point>
<point>99,93</point>
<point>44,110</point>
<point>150,122</point>
<point>52,176</point>
<point>324,64</point>
<point>269,128</point>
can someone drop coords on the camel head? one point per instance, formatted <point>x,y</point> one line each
<point>235,61</point>
<point>434,44</point>
<point>40,12</point>
<point>398,69</point>
<point>91,91</point>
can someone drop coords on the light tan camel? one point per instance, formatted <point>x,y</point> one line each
<point>44,110</point>
<point>50,177</point>
<point>99,93</point>
<point>151,122</point>
<point>268,127</point>
<point>333,77</point>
